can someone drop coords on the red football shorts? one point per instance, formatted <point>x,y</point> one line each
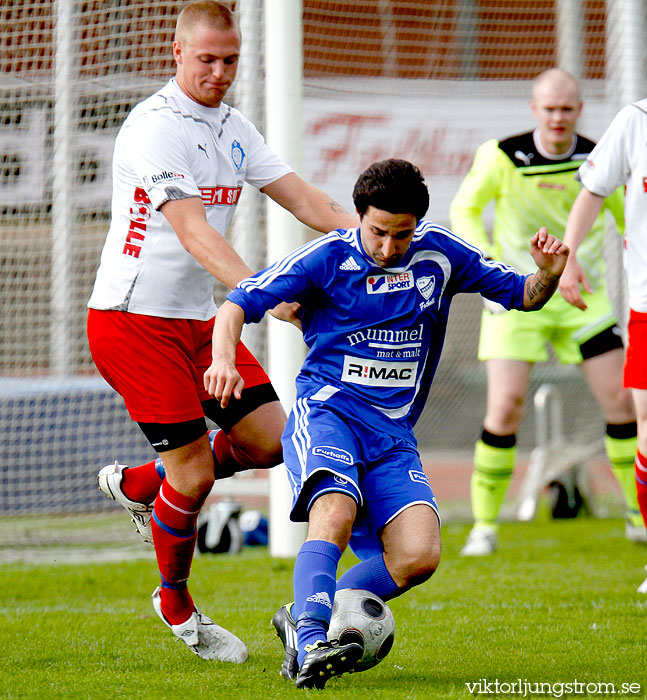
<point>635,371</point>
<point>157,364</point>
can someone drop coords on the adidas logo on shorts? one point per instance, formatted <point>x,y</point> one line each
<point>350,265</point>
<point>322,597</point>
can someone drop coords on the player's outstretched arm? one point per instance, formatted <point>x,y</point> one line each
<point>222,380</point>
<point>550,256</point>
<point>188,219</point>
<point>583,214</point>
<point>310,205</point>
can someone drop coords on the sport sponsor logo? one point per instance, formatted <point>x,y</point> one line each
<point>140,212</point>
<point>139,215</point>
<point>645,184</point>
<point>550,186</point>
<point>358,370</point>
<point>383,284</point>
<point>220,195</point>
<point>322,598</point>
<point>385,337</point>
<point>350,265</point>
<point>335,453</point>
<point>418,476</point>
<point>166,175</point>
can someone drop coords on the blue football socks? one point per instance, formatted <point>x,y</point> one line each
<point>315,573</point>
<point>371,575</point>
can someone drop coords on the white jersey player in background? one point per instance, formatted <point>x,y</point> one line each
<point>620,158</point>
<point>180,161</point>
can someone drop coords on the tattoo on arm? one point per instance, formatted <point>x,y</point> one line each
<point>536,290</point>
<point>336,207</point>
<point>539,289</point>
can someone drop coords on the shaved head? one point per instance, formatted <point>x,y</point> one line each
<point>556,105</point>
<point>555,79</point>
<point>204,13</point>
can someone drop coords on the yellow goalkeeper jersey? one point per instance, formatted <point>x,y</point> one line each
<point>530,190</point>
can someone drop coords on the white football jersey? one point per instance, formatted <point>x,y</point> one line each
<point>620,158</point>
<point>170,147</point>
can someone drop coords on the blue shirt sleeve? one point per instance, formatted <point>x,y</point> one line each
<point>492,279</point>
<point>293,278</point>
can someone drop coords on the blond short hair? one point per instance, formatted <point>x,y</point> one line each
<point>210,13</point>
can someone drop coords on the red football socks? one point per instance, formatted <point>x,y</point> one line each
<point>141,484</point>
<point>174,535</point>
<point>641,484</point>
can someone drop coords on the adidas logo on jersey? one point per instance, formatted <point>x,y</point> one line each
<point>322,597</point>
<point>350,265</point>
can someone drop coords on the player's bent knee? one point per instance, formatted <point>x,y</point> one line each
<point>331,517</point>
<point>260,456</point>
<point>203,485</point>
<point>413,567</point>
<point>424,565</point>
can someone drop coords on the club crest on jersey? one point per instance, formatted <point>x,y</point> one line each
<point>383,284</point>
<point>237,154</point>
<point>358,370</point>
<point>426,286</point>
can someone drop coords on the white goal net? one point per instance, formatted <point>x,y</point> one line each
<point>426,80</point>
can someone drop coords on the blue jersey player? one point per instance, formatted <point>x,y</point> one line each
<point>374,307</point>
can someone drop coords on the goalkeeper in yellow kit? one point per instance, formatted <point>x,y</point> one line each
<point>531,178</point>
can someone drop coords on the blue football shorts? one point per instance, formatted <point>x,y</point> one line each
<point>325,450</point>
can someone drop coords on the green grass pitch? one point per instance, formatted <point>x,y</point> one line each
<point>557,604</point>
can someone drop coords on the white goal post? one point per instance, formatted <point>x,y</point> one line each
<point>283,100</point>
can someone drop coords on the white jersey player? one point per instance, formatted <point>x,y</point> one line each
<point>181,160</point>
<point>172,148</point>
<point>620,158</point>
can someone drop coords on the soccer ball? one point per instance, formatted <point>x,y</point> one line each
<point>360,616</point>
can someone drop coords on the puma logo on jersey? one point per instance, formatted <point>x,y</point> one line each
<point>350,265</point>
<point>523,157</point>
<point>203,149</point>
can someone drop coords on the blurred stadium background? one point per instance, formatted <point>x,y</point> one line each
<point>426,80</point>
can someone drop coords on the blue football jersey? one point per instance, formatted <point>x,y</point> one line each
<point>375,334</point>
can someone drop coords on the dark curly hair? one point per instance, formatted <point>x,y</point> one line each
<point>392,185</point>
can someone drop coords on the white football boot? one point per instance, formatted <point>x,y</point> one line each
<point>643,586</point>
<point>204,637</point>
<point>109,481</point>
<point>481,542</point>
<point>635,533</point>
